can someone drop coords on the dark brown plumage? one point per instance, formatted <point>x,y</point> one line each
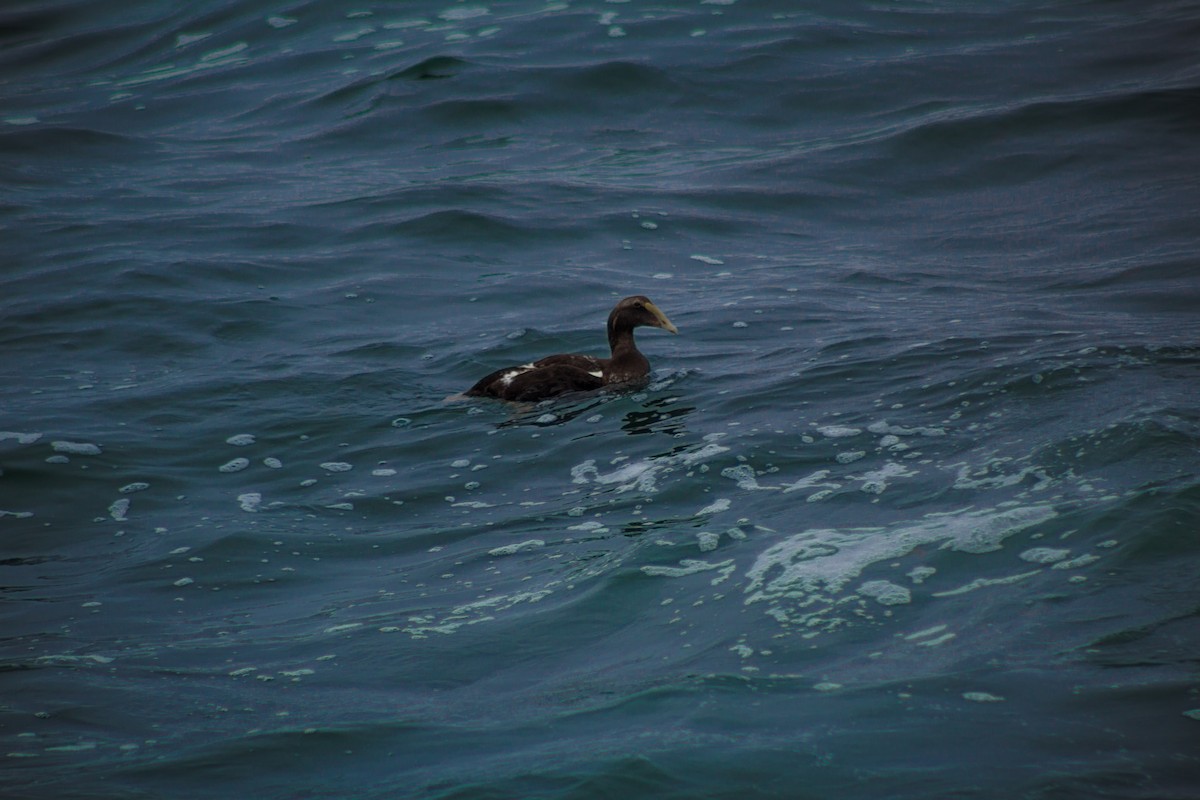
<point>570,372</point>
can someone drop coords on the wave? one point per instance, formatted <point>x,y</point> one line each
<point>65,142</point>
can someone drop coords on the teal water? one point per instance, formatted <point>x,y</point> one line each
<point>908,509</point>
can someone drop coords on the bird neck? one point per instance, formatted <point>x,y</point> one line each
<point>620,336</point>
<point>627,362</point>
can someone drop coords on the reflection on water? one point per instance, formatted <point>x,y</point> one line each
<point>661,419</point>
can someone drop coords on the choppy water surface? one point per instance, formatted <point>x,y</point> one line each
<point>908,509</point>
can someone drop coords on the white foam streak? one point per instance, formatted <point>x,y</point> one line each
<point>642,475</point>
<point>821,562</point>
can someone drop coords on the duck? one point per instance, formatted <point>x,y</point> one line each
<point>573,372</point>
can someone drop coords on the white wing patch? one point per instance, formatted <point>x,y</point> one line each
<point>507,377</point>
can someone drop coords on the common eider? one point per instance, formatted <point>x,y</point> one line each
<point>571,372</point>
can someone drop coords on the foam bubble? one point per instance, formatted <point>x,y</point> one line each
<point>241,439</point>
<point>91,658</point>
<point>687,566</point>
<point>810,481</point>
<point>642,475</point>
<point>354,35</point>
<point>937,640</point>
<point>224,53</point>
<point>923,634</point>
<point>745,477</point>
<point>814,566</point>
<point>985,531</point>
<point>76,448</point>
<point>981,583</point>
<point>1044,555</point>
<point>885,593</point>
<point>990,476</point>
<point>184,39</point>
<point>471,613</point>
<point>519,547</point>
<point>718,505</point>
<point>876,481</point>
<point>709,450</point>
<point>982,697</point>
<point>919,574</point>
<point>1078,561</point>
<point>22,438</point>
<point>235,465</point>
<point>838,431</point>
<point>119,509</point>
<point>463,12</point>
<point>590,525</point>
<point>883,427</point>
<point>336,466</point>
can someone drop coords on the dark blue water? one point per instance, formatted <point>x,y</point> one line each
<point>909,509</point>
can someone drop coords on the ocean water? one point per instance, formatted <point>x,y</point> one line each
<point>909,509</point>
